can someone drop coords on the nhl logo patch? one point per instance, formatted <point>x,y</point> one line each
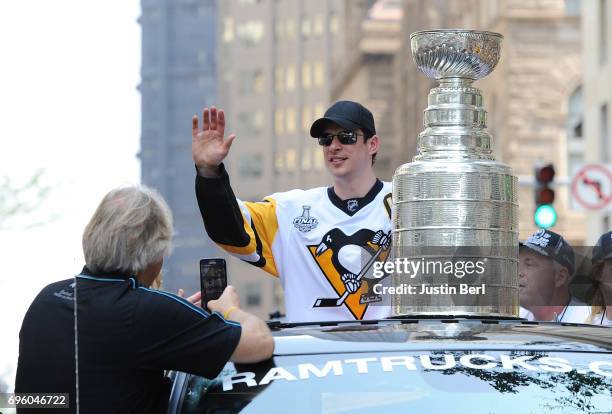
<point>305,223</point>
<point>352,205</point>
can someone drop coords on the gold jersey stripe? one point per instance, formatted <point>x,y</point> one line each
<point>263,216</point>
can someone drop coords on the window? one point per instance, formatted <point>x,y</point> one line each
<point>279,162</point>
<point>319,74</point>
<point>333,24</point>
<point>306,76</point>
<point>253,294</point>
<point>258,83</point>
<point>279,79</point>
<point>306,159</point>
<point>251,123</point>
<point>290,118</point>
<point>279,122</point>
<point>278,30</point>
<point>250,33</point>
<point>306,27</point>
<point>318,25</point>
<point>290,79</point>
<point>250,165</point>
<point>306,118</point>
<point>251,82</point>
<point>575,116</point>
<point>291,160</point>
<point>228,29</point>
<point>290,29</point>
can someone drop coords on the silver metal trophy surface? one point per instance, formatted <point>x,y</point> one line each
<point>454,199</point>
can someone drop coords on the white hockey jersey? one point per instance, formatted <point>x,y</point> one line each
<point>317,245</point>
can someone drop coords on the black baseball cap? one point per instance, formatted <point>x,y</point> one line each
<point>603,248</point>
<point>552,245</point>
<point>349,115</point>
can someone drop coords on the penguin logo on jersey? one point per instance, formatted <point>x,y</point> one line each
<point>338,255</point>
<point>305,223</point>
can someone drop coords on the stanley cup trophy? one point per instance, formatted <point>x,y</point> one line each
<point>454,199</point>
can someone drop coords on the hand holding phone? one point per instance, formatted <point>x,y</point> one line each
<point>213,279</point>
<point>227,303</point>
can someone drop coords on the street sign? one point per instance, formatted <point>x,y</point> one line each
<point>591,187</point>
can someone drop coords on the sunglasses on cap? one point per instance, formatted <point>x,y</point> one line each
<point>345,138</point>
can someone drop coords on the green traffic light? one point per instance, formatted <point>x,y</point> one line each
<point>545,216</point>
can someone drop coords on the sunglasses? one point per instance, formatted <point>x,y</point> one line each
<point>345,138</point>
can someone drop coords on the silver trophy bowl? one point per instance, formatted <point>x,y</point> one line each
<point>454,200</point>
<point>466,54</point>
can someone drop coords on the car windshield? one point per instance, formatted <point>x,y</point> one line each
<point>426,381</point>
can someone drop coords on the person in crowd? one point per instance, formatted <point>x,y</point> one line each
<point>109,352</point>
<point>312,239</point>
<point>601,295</point>
<point>546,267</point>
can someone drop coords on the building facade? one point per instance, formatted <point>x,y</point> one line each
<point>528,98</point>
<point>533,97</point>
<point>278,62</point>
<point>597,96</point>
<point>531,94</point>
<point>178,77</point>
<point>374,79</point>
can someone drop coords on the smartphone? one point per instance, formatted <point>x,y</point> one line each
<point>213,279</point>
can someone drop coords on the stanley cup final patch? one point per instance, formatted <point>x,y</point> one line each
<point>305,222</point>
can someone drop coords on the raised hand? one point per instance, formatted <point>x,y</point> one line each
<point>209,147</point>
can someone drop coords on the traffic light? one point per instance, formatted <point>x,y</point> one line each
<point>545,215</point>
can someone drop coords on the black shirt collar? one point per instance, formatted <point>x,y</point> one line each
<point>350,206</point>
<point>112,274</point>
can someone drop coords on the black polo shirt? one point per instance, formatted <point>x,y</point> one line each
<point>127,336</point>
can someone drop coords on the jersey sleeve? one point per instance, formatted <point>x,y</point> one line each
<point>173,334</point>
<point>244,229</point>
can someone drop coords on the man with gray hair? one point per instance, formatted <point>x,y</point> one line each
<point>110,353</point>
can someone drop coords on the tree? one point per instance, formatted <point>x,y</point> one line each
<point>21,200</point>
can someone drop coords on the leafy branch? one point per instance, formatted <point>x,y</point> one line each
<point>20,200</point>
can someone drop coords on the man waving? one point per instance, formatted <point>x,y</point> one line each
<point>317,241</point>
